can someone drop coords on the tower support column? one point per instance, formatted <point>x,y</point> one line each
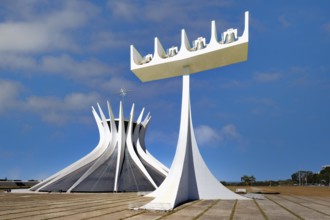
<point>189,177</point>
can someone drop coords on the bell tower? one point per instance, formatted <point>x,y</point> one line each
<point>189,177</point>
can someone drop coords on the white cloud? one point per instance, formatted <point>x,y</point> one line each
<point>9,91</point>
<point>75,101</point>
<point>50,29</point>
<point>230,131</point>
<point>180,12</point>
<point>327,27</point>
<point>262,101</point>
<point>116,83</point>
<point>232,84</point>
<point>140,91</point>
<point>106,39</point>
<point>23,36</point>
<point>51,109</point>
<point>79,101</point>
<point>159,89</point>
<point>71,68</point>
<point>47,26</point>
<point>156,137</point>
<point>222,3</point>
<point>86,71</point>
<point>266,77</point>
<point>207,136</point>
<point>126,10</point>
<point>17,9</point>
<point>283,21</point>
<point>59,111</point>
<point>152,11</point>
<point>15,61</point>
<point>262,105</point>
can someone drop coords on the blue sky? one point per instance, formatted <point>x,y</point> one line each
<point>266,117</point>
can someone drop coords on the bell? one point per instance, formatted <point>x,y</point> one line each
<point>230,38</point>
<point>199,43</point>
<point>172,51</point>
<point>147,59</point>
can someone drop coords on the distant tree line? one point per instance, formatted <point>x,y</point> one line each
<point>247,180</point>
<point>303,177</point>
<point>16,184</point>
<point>10,180</point>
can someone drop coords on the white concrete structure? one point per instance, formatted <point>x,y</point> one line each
<point>119,163</point>
<point>159,65</point>
<point>189,177</point>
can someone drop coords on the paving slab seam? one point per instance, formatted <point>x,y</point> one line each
<point>273,211</point>
<point>122,202</point>
<point>61,206</point>
<point>34,215</point>
<point>75,213</point>
<point>231,217</point>
<point>327,199</point>
<point>308,200</point>
<point>53,205</point>
<point>120,210</point>
<point>323,213</point>
<point>97,209</point>
<point>104,214</point>
<point>178,209</point>
<point>68,209</point>
<point>260,209</point>
<point>285,208</point>
<point>91,211</point>
<point>56,205</point>
<point>205,210</point>
<point>35,204</point>
<point>8,203</point>
<point>57,202</point>
<point>136,214</point>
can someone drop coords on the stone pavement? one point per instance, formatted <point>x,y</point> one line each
<point>118,206</point>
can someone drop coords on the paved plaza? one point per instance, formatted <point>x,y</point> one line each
<point>121,205</point>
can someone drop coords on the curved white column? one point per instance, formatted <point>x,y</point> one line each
<point>145,155</point>
<point>132,153</point>
<point>110,141</point>
<point>121,145</point>
<point>189,178</point>
<point>136,132</point>
<point>98,150</point>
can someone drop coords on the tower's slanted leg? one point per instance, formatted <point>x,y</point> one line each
<point>189,177</point>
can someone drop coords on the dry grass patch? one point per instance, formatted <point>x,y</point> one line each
<point>288,190</point>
